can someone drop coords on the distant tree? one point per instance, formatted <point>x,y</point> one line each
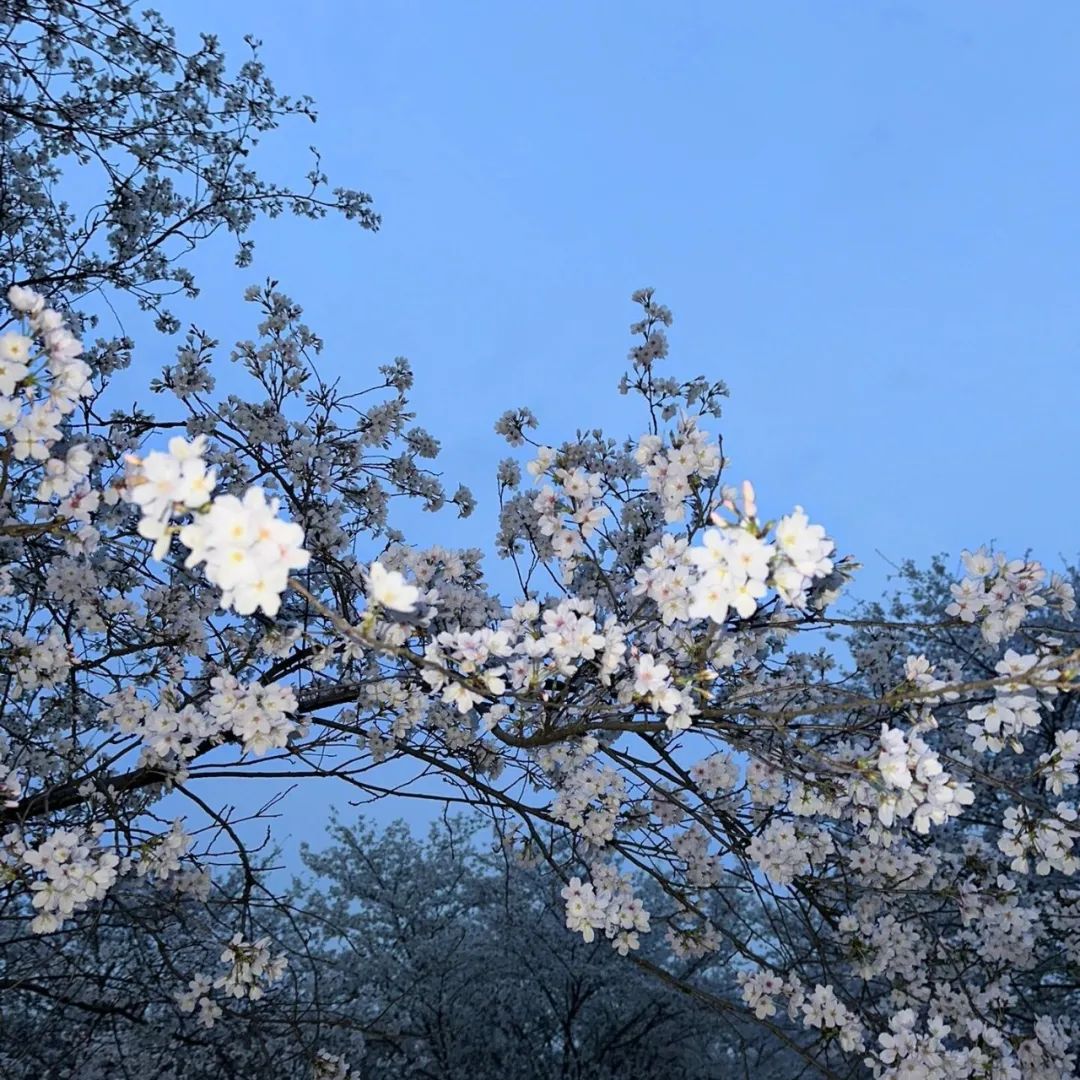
<point>466,956</point>
<point>410,960</point>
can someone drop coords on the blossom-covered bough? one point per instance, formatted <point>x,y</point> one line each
<point>669,696</point>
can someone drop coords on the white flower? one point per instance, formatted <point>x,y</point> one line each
<point>10,411</point>
<point>389,589</point>
<point>248,550</point>
<point>14,352</point>
<point>25,301</point>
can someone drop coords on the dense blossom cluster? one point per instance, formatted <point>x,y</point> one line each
<point>918,786</point>
<point>737,566</point>
<point>674,471</point>
<point>250,970</point>
<point>38,662</point>
<point>999,593</point>
<point>607,903</point>
<point>70,870</point>
<point>785,850</point>
<point>820,1008</point>
<point>245,549</point>
<point>261,718</point>
<point>42,380</point>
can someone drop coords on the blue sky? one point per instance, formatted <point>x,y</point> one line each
<point>864,217</point>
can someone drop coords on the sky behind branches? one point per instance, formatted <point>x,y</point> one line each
<point>863,216</point>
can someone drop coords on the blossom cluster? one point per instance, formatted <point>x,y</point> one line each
<point>71,870</point>
<point>577,497</point>
<point>916,783</point>
<point>606,903</point>
<point>1013,712</point>
<point>245,548</point>
<point>260,717</point>
<point>785,851</point>
<point>48,359</point>
<point>251,969</point>
<point>675,471</point>
<point>733,568</point>
<point>589,801</point>
<point>911,1048</point>
<point>161,857</point>
<point>1046,839</point>
<point>11,787</point>
<point>329,1066</point>
<point>714,774</point>
<point>1059,766</point>
<point>38,663</point>
<point>998,593</point>
<point>520,652</point>
<point>820,1009</point>
<point>737,566</point>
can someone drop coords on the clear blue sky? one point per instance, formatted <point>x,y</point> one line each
<point>864,217</point>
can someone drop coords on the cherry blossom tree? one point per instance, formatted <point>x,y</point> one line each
<point>676,712</point>
<point>645,707</point>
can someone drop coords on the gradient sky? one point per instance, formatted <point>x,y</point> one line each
<point>864,217</point>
